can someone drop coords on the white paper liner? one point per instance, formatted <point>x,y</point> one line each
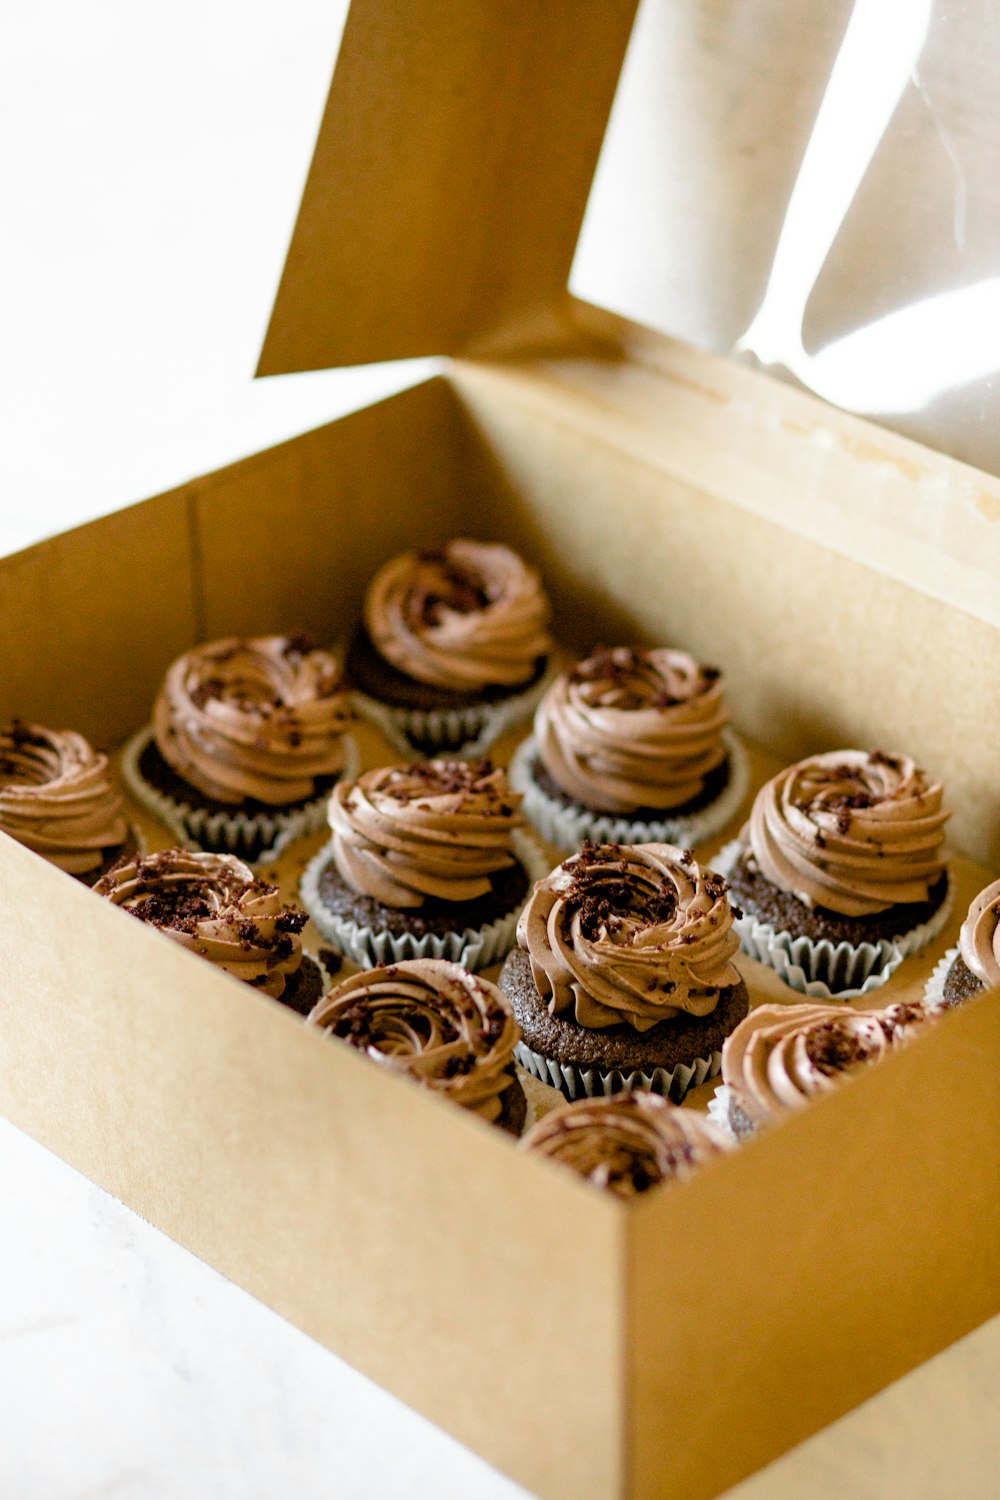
<point>821,969</point>
<point>591,1083</point>
<point>238,831</point>
<point>466,732</point>
<point>567,827</point>
<point>718,1111</point>
<point>934,991</point>
<point>475,947</point>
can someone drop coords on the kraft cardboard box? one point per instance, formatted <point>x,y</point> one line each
<point>682,1340</point>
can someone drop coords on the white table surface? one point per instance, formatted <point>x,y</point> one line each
<point>153,158</point>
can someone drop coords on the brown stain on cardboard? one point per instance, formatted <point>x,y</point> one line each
<point>709,392</point>
<point>798,429</point>
<point>988,505</point>
<point>872,453</point>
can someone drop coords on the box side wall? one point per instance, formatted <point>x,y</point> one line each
<point>819,649</point>
<point>409,1237</point>
<point>916,515</point>
<point>282,541</point>
<point>867,1238</point>
<point>288,540</point>
<point>92,617</point>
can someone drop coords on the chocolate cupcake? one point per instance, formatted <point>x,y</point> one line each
<point>426,861</point>
<point>840,871</point>
<point>974,966</point>
<point>632,747</point>
<point>623,977</point>
<point>247,741</point>
<point>434,1022</point>
<point>214,905</point>
<point>56,798</point>
<point>782,1056</point>
<point>626,1143</point>
<point>453,648</point>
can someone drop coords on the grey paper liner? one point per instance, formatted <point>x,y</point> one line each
<point>476,948</point>
<point>567,827</point>
<point>818,968</point>
<point>466,732</point>
<point>238,831</point>
<point>591,1083</point>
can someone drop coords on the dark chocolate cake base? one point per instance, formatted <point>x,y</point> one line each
<point>757,897</point>
<point>304,988</point>
<point>682,1040</point>
<point>509,889</point>
<point>714,785</point>
<point>162,777</point>
<point>960,983</point>
<point>513,1108</point>
<point>368,671</point>
<point>109,858</point>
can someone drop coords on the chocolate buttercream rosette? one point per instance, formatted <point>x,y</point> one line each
<point>247,740</point>
<point>57,799</point>
<point>623,977</point>
<point>213,905</point>
<point>782,1056</point>
<point>428,860</point>
<point>973,965</point>
<point>627,1143</point>
<point>454,648</point>
<point>632,747</point>
<point>840,873</point>
<point>437,1023</point>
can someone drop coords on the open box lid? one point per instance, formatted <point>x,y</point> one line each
<point>441,216</point>
<point>449,180</point>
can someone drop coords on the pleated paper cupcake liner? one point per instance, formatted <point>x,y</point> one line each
<point>591,1083</point>
<point>818,968</point>
<point>718,1111</point>
<point>567,827</point>
<point>475,947</point>
<point>934,992</point>
<point>466,732</point>
<point>229,831</point>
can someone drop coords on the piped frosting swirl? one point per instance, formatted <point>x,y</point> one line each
<point>56,796</point>
<point>626,1143</point>
<point>450,1030</point>
<point>781,1056</point>
<point>213,905</point>
<point>628,728</point>
<point>470,616</point>
<point>850,831</point>
<point>439,828</point>
<point>979,939</point>
<point>261,718</point>
<point>633,933</point>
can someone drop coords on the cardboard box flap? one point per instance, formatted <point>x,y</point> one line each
<point>449,180</point>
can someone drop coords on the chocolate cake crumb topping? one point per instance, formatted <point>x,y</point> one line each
<point>331,960</point>
<point>601,897</point>
<point>901,1015</point>
<point>452,588</point>
<point>832,1047</point>
<point>291,920</point>
<point>880,758</point>
<point>435,778</point>
<point>299,645</point>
